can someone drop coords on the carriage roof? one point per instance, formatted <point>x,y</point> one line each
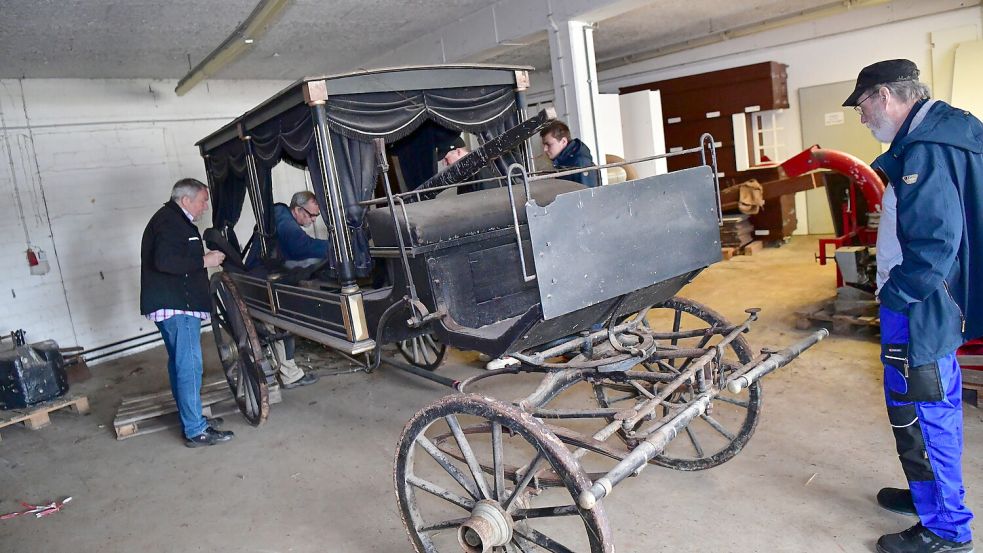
<point>364,82</point>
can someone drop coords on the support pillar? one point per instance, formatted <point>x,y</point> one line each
<point>575,81</point>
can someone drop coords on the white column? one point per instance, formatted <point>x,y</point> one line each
<point>642,130</point>
<point>575,81</point>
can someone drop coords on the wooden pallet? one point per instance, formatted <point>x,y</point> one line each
<point>841,324</point>
<point>148,413</point>
<point>751,248</point>
<point>36,416</point>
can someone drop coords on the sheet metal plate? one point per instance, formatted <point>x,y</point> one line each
<point>599,243</point>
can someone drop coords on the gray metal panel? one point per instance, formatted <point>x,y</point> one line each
<point>599,243</point>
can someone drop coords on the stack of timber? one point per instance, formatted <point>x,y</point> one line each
<point>148,413</point>
<point>737,236</point>
<point>736,232</point>
<point>37,417</point>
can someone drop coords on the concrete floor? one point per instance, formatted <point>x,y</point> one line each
<point>318,475</point>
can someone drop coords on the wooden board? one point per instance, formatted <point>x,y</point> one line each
<point>152,412</point>
<point>37,416</point>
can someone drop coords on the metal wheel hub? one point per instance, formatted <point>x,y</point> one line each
<point>228,352</point>
<point>488,527</point>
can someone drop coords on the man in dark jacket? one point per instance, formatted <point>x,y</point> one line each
<point>930,303</point>
<point>568,153</point>
<point>174,295</point>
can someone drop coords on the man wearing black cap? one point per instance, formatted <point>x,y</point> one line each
<point>929,245</point>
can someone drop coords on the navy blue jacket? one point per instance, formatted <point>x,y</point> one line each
<point>937,173</point>
<point>576,154</point>
<point>293,242</point>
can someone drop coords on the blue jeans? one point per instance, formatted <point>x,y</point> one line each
<point>924,405</point>
<point>182,338</point>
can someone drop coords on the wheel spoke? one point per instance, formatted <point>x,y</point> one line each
<point>546,512</point>
<point>498,460</point>
<point>515,547</point>
<point>433,345</point>
<point>472,461</point>
<point>436,490</point>
<point>454,523</point>
<point>718,427</point>
<point>738,402</point>
<point>445,463</point>
<point>696,443</point>
<point>526,478</point>
<point>538,538</point>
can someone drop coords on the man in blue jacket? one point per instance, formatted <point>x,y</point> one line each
<point>567,153</point>
<point>299,249</point>
<point>930,303</point>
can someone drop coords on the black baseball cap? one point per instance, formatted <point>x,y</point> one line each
<point>443,149</point>
<point>882,72</point>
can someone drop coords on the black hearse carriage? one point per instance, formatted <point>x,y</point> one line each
<point>569,282</point>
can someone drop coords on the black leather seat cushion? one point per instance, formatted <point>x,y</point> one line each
<point>454,216</point>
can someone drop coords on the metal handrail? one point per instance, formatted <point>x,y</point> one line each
<point>515,215</point>
<point>541,175</point>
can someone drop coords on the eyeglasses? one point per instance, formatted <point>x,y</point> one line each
<point>857,108</point>
<point>309,214</point>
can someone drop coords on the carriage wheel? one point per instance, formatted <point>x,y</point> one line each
<point>424,351</point>
<point>477,475</point>
<point>722,432</point>
<point>239,349</point>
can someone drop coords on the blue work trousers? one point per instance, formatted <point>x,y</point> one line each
<point>182,338</point>
<point>924,405</point>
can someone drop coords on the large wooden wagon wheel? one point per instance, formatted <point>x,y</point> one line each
<point>716,436</point>
<point>239,350</point>
<point>478,475</point>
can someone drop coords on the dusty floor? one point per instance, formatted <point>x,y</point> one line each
<point>318,475</point>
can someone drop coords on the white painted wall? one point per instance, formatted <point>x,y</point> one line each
<point>811,62</point>
<point>815,55</point>
<point>90,161</point>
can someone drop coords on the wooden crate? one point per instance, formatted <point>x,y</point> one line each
<point>37,416</point>
<point>148,413</point>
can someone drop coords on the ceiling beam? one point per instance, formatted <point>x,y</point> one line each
<point>263,16</point>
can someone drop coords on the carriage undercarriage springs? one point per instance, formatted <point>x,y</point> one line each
<point>577,285</point>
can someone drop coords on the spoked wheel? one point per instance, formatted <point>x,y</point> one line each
<point>239,350</point>
<point>477,475</point>
<point>424,351</point>
<point>719,434</point>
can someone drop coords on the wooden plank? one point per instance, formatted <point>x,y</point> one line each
<point>163,394</point>
<point>753,247</point>
<point>727,253</point>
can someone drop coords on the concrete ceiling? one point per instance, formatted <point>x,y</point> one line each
<point>155,39</point>
<point>164,39</point>
<point>666,23</point>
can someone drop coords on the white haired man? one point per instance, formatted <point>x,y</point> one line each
<point>929,246</point>
<point>174,295</point>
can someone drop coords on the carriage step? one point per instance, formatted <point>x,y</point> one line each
<point>36,416</point>
<point>148,413</point>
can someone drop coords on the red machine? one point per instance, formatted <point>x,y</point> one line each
<point>861,176</point>
<point>871,184</point>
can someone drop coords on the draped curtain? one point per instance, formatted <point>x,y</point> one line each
<point>354,120</point>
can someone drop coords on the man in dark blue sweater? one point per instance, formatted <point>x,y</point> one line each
<point>930,301</point>
<point>568,153</point>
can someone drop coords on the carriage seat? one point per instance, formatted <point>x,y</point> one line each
<point>454,216</point>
